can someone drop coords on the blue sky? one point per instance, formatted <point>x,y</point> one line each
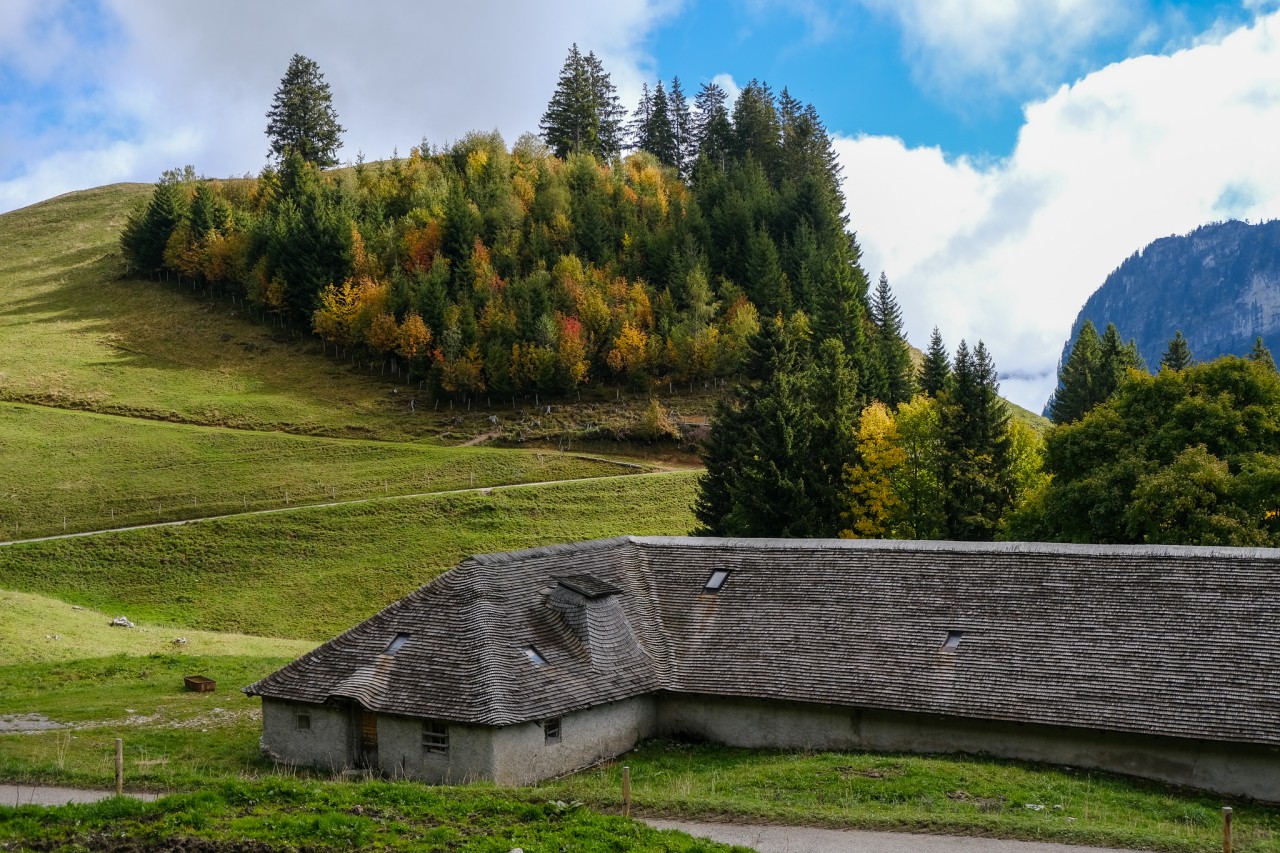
<point>1000,156</point>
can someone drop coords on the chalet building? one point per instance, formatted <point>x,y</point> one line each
<point>1160,662</point>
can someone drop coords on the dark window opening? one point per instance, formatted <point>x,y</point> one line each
<point>535,657</point>
<point>551,730</point>
<point>397,644</point>
<point>953,641</point>
<point>717,579</point>
<point>304,722</point>
<point>435,737</point>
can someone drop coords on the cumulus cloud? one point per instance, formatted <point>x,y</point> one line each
<point>1009,251</point>
<point>1009,48</point>
<point>191,83</point>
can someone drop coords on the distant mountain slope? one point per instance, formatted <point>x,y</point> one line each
<point>1220,285</point>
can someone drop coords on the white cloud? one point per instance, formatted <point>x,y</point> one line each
<point>191,83</point>
<point>1008,252</point>
<point>1007,47</point>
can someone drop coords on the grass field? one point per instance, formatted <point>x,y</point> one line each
<point>373,815</point>
<point>66,471</point>
<point>312,573</point>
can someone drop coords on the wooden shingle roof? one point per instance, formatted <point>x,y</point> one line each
<point>1151,639</point>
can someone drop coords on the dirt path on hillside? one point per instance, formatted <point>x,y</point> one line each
<point>808,839</point>
<point>302,507</point>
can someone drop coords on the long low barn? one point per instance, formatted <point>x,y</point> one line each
<point>1149,660</point>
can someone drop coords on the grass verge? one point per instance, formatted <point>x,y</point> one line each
<point>313,815</point>
<point>943,794</point>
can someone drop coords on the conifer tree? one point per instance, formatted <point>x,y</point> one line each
<point>1118,358</point>
<point>638,127</point>
<point>584,114</point>
<point>1261,354</point>
<point>892,355</point>
<point>1079,380</point>
<point>148,230</point>
<point>682,128</point>
<point>209,213</point>
<point>1178,355</point>
<point>935,372</point>
<point>975,471</point>
<point>302,118</point>
<point>660,135</point>
<point>713,130</point>
<point>756,132</point>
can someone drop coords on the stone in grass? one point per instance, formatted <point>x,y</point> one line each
<point>121,622</point>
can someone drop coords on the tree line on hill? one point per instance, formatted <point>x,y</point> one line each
<point>716,249</point>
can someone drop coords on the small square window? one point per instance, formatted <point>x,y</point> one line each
<point>717,579</point>
<point>435,737</point>
<point>953,641</point>
<point>551,730</point>
<point>397,644</point>
<point>535,657</point>
<point>303,722</point>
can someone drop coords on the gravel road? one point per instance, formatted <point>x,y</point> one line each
<point>804,839</point>
<point>41,795</point>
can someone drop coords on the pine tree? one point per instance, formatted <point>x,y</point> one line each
<point>1079,380</point>
<point>302,117</point>
<point>975,473</point>
<point>1178,355</point>
<point>682,128</point>
<point>892,355</point>
<point>610,114</point>
<point>1261,354</point>
<point>209,213</point>
<point>935,372</point>
<point>148,229</point>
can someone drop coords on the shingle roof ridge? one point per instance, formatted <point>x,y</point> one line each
<point>943,546</point>
<point>498,558</point>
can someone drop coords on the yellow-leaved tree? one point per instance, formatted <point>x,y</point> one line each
<point>874,506</point>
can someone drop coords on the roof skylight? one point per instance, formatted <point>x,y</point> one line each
<point>535,657</point>
<point>953,641</point>
<point>397,644</point>
<point>717,579</point>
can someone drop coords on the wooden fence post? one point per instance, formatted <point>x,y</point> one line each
<point>626,792</point>
<point>1226,829</point>
<point>119,766</point>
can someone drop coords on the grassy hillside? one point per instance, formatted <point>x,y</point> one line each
<point>311,573</point>
<point>66,471</point>
<point>78,336</point>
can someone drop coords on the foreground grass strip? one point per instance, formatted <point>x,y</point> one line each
<point>945,794</point>
<point>337,816</point>
<point>313,573</point>
<point>66,471</point>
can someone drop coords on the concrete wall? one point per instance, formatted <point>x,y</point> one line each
<point>326,745</point>
<point>521,753</point>
<point>401,754</point>
<point>515,755</point>
<point>1250,771</point>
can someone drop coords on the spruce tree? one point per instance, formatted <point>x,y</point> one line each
<point>756,132</point>
<point>935,372</point>
<point>1261,354</point>
<point>584,114</point>
<point>660,135</point>
<point>148,229</point>
<point>682,128</point>
<point>1118,358</point>
<point>975,472</point>
<point>1078,381</point>
<point>892,355</point>
<point>638,127</point>
<point>1178,355</point>
<point>712,128</point>
<point>302,118</point>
